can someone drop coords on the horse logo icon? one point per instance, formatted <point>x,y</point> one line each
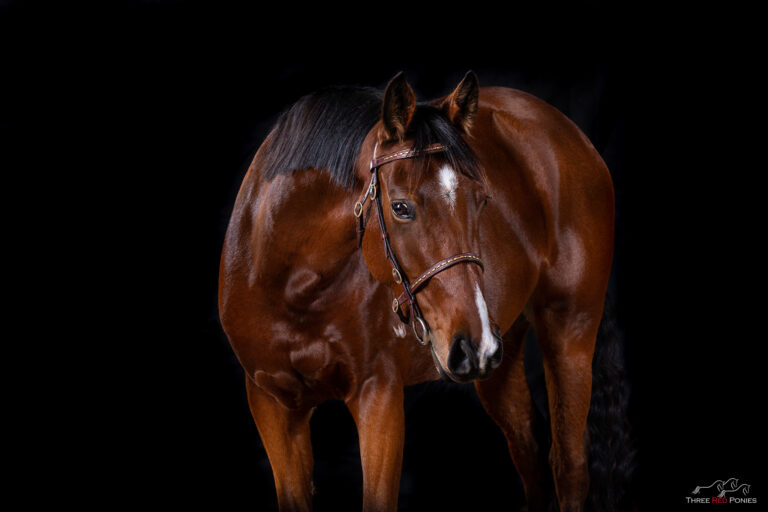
<point>720,485</point>
<point>719,491</point>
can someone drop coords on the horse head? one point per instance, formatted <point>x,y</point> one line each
<point>430,193</point>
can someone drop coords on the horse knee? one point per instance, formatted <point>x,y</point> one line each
<point>571,475</point>
<point>567,461</point>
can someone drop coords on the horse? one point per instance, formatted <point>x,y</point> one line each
<point>378,242</point>
<point>744,488</point>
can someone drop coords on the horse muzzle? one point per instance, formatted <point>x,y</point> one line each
<point>468,361</point>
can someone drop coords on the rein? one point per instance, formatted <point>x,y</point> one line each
<point>407,298</point>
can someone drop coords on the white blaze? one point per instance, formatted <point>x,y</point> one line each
<point>448,182</point>
<point>487,343</point>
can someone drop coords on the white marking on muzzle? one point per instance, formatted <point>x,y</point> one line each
<point>448,182</point>
<point>487,343</point>
<point>399,330</point>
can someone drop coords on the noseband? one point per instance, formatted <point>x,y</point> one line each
<point>407,299</point>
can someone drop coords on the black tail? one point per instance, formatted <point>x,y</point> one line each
<point>611,448</point>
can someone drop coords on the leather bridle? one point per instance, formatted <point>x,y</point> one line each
<point>407,298</point>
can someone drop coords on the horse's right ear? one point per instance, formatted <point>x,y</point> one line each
<point>398,107</point>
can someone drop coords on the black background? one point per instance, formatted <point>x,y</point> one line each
<point>130,126</point>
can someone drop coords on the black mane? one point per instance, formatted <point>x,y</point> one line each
<point>325,130</point>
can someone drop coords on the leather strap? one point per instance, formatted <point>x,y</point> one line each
<point>405,153</point>
<point>435,269</point>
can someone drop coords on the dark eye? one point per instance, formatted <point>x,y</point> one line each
<point>402,210</point>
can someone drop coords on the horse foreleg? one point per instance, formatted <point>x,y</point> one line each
<point>507,400</point>
<point>378,412</point>
<point>567,341</point>
<point>286,438</point>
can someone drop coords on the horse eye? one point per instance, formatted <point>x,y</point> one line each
<point>402,210</point>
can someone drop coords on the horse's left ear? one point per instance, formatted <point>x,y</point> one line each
<point>461,105</point>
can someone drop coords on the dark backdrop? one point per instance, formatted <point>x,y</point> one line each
<point>151,111</point>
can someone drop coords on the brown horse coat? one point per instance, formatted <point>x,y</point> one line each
<point>309,321</point>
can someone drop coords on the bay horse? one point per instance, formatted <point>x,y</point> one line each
<point>378,242</point>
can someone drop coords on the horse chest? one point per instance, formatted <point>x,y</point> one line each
<point>308,347</point>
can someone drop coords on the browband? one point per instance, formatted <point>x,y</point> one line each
<point>406,153</point>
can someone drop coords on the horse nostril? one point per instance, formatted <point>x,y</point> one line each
<point>462,360</point>
<point>497,354</point>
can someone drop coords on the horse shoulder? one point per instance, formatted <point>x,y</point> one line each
<point>288,265</point>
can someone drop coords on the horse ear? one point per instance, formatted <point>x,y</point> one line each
<point>461,105</point>
<point>399,105</point>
